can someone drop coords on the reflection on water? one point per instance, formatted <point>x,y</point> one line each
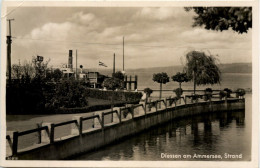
<point>211,134</point>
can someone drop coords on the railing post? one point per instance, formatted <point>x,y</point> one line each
<point>9,144</point>
<point>112,116</point>
<point>15,143</point>
<point>165,102</point>
<point>142,108</point>
<point>149,105</point>
<point>145,108</point>
<point>52,134</point>
<point>116,117</point>
<point>120,115</point>
<point>80,126</point>
<point>75,128</point>
<point>45,134</point>
<point>103,122</point>
<point>132,111</point>
<point>96,122</point>
<point>156,103</point>
<point>39,133</point>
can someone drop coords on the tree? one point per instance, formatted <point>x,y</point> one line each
<point>118,75</point>
<point>161,78</point>
<point>113,84</point>
<point>16,71</point>
<point>202,69</point>
<point>40,69</point>
<point>28,71</point>
<point>55,75</point>
<point>223,18</point>
<point>148,93</point>
<point>180,77</point>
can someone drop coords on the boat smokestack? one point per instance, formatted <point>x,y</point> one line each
<point>70,65</point>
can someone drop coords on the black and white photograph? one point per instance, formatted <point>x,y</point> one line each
<point>171,84</point>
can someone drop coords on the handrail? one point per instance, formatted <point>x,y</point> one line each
<point>125,108</point>
<point>107,113</point>
<point>137,105</point>
<point>90,117</point>
<point>32,131</point>
<point>110,112</point>
<point>65,123</point>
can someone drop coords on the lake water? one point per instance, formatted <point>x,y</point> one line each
<point>218,134</point>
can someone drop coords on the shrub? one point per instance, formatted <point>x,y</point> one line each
<point>228,91</point>
<point>25,98</point>
<point>195,97</point>
<point>178,92</point>
<point>148,91</point>
<point>113,83</point>
<point>240,92</point>
<point>222,94</point>
<point>208,94</point>
<point>69,93</point>
<point>119,75</point>
<point>208,90</point>
<point>118,95</point>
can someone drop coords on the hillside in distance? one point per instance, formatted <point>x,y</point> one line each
<point>224,68</point>
<point>236,68</point>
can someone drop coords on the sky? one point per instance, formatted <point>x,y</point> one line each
<point>154,37</point>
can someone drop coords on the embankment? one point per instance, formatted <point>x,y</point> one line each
<point>95,138</point>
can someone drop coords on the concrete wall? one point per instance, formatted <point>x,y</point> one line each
<point>96,138</point>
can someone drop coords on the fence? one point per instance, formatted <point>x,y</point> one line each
<point>46,131</point>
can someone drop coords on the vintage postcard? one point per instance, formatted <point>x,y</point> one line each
<point>129,84</point>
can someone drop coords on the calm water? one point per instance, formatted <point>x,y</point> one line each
<point>217,134</point>
<point>228,80</point>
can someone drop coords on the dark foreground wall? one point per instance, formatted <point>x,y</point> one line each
<point>97,138</point>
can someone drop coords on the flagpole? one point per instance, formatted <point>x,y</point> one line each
<point>97,70</point>
<point>97,66</point>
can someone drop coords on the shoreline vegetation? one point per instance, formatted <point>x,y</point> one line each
<point>35,89</point>
<point>95,98</point>
<point>31,99</point>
